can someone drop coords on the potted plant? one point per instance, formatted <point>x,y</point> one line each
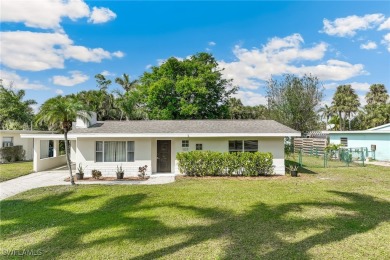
<point>80,172</point>
<point>119,172</point>
<point>142,171</point>
<point>294,170</point>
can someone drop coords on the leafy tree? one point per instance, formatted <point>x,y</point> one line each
<point>62,111</point>
<point>15,113</point>
<point>130,106</point>
<point>345,103</point>
<point>293,101</point>
<point>190,89</point>
<point>238,111</point>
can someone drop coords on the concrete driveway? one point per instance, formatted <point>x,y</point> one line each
<point>57,176</point>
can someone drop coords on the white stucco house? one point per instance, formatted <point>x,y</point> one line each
<point>13,138</point>
<point>155,143</point>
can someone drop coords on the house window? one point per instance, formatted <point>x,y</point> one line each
<point>185,143</point>
<point>114,151</point>
<point>199,147</point>
<point>344,141</point>
<point>8,141</point>
<point>251,146</point>
<point>243,146</point>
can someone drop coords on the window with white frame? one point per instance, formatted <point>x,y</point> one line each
<point>114,151</point>
<point>8,141</point>
<point>236,146</point>
<point>199,147</point>
<point>185,143</point>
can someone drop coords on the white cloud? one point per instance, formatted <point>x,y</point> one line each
<point>36,51</point>
<point>118,54</point>
<point>59,91</point>
<point>18,82</point>
<point>43,14</point>
<point>76,77</point>
<point>385,25</point>
<point>49,14</point>
<point>212,43</point>
<point>101,15</point>
<point>386,41</point>
<point>368,46</point>
<point>250,98</point>
<point>331,85</point>
<point>106,73</point>
<point>148,66</point>
<point>285,55</point>
<point>347,26</point>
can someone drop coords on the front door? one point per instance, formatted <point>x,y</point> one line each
<point>163,155</point>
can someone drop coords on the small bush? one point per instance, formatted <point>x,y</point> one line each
<point>142,171</point>
<point>207,163</point>
<point>13,153</point>
<point>96,174</point>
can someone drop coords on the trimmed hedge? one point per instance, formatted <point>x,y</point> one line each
<point>207,163</point>
<point>12,153</point>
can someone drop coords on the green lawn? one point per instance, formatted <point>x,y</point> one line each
<point>332,214</point>
<point>13,170</point>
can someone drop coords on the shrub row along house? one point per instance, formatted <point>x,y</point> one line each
<point>155,143</point>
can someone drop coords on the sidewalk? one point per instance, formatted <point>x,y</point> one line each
<point>57,177</point>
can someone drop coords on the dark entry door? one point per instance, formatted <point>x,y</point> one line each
<point>163,155</point>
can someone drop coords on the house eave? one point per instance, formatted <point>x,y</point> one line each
<point>181,135</point>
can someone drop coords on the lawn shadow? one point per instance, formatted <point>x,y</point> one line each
<point>265,231</point>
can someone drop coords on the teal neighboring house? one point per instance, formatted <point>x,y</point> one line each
<point>374,139</point>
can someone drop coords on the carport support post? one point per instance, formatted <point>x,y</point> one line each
<point>37,154</point>
<point>56,148</point>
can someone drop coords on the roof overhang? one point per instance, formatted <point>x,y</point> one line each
<point>182,135</point>
<point>47,136</point>
<point>356,132</point>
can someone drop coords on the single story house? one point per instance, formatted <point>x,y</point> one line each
<point>377,139</point>
<point>155,143</point>
<point>12,138</point>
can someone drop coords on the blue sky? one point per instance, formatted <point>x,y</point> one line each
<point>56,47</point>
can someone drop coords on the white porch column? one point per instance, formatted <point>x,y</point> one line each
<point>56,148</point>
<point>36,154</point>
<point>73,150</point>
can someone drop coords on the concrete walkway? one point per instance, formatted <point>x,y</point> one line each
<point>57,177</point>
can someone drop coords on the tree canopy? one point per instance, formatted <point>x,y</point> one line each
<point>189,89</point>
<point>294,101</point>
<point>15,112</point>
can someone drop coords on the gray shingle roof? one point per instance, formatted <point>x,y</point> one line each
<point>186,126</point>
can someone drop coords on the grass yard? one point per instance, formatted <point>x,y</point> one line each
<point>337,213</point>
<point>10,171</point>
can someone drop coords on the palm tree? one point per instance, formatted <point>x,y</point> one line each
<point>326,112</point>
<point>126,84</point>
<point>102,82</point>
<point>62,111</point>
<point>345,102</point>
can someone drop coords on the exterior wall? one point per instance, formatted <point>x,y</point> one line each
<point>26,143</point>
<point>146,153</point>
<point>45,163</point>
<point>85,154</point>
<point>382,142</point>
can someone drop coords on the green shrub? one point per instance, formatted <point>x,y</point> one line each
<point>12,153</point>
<point>96,174</point>
<point>207,163</point>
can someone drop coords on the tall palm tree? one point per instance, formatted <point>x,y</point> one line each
<point>102,82</point>
<point>345,103</point>
<point>125,82</point>
<point>326,112</point>
<point>62,111</point>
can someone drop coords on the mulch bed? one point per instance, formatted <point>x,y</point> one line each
<point>232,177</point>
<point>108,179</point>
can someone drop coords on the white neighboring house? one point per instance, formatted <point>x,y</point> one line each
<point>13,138</point>
<point>155,143</point>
